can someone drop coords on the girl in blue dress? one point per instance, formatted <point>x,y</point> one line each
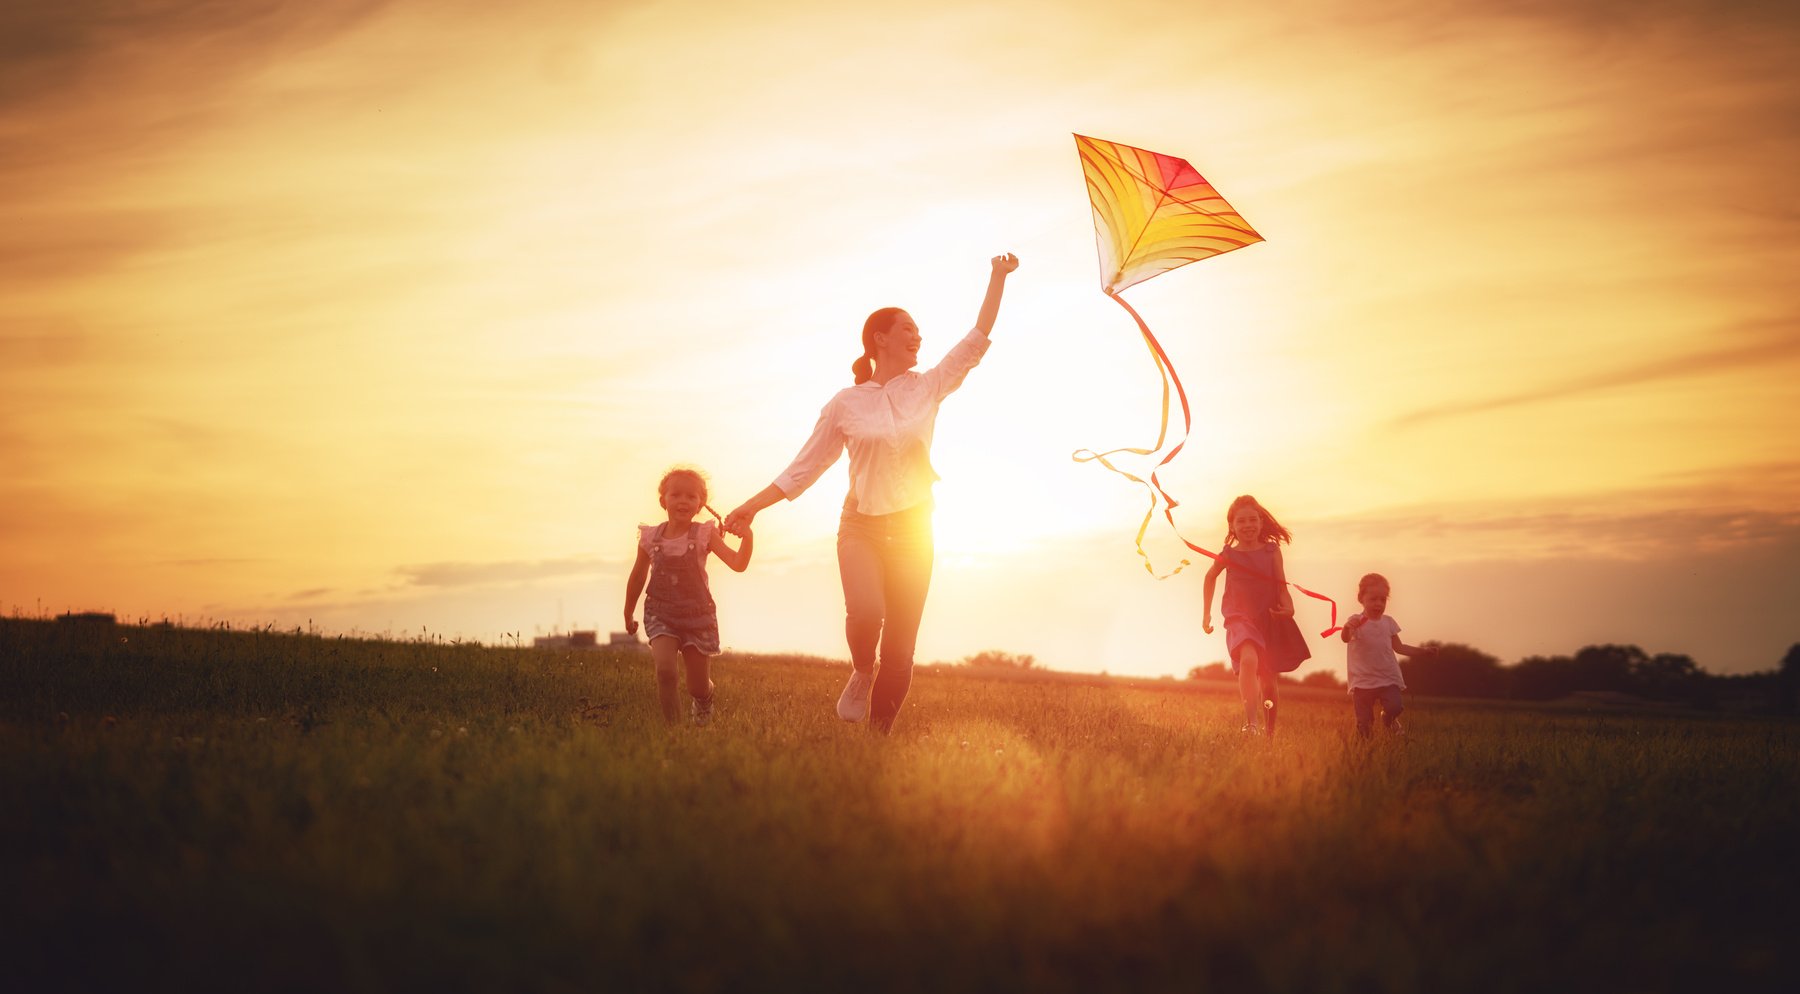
<point>1255,590</point>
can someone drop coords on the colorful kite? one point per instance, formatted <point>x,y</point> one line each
<point>1153,213</point>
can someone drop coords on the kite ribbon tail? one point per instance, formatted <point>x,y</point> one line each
<point>1088,455</point>
<point>1162,427</point>
<point>1166,367</point>
<point>1187,419</point>
<point>1327,633</point>
<point>1165,371</point>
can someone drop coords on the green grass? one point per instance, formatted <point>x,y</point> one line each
<point>255,810</point>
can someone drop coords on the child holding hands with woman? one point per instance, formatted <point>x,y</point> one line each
<point>680,617</point>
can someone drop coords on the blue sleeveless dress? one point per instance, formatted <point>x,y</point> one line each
<point>1250,592</point>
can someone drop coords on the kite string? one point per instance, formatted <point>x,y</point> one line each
<point>1166,368</point>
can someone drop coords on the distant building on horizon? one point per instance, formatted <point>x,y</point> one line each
<point>626,640</point>
<point>582,639</point>
<point>586,640</point>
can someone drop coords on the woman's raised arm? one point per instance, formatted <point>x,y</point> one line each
<point>990,304</point>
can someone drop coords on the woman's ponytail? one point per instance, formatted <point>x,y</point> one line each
<point>863,369</point>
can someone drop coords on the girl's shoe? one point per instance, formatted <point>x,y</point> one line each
<point>702,711</point>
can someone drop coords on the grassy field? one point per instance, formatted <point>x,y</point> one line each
<point>186,809</point>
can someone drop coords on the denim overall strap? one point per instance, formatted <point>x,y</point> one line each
<point>679,578</point>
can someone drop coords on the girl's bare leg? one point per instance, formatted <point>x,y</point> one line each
<point>1249,660</point>
<point>699,673</point>
<point>663,649</point>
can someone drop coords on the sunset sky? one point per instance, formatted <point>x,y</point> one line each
<point>387,317</point>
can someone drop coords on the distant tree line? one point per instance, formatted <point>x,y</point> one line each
<point>1463,671</point>
<point>995,659</point>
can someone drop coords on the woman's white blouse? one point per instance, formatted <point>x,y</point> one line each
<point>887,429</point>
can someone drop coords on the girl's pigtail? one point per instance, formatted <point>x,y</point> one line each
<point>862,369</point>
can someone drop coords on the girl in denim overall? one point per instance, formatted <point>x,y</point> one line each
<point>680,618</point>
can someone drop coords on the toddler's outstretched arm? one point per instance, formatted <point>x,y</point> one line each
<point>1413,650</point>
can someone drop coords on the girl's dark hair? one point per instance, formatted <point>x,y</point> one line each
<point>1271,529</point>
<point>863,368</point>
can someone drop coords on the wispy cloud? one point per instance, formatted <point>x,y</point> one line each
<point>1646,527</point>
<point>516,572</point>
<point>49,347</point>
<point>46,47</point>
<point>506,573</point>
<point>1774,342</point>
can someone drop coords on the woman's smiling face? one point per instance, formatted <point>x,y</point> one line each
<point>897,348</point>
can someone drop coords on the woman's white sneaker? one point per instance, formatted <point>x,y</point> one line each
<point>853,703</point>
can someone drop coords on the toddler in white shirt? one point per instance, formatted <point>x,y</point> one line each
<point>1372,658</point>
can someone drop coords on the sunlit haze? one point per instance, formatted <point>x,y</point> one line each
<point>387,317</point>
